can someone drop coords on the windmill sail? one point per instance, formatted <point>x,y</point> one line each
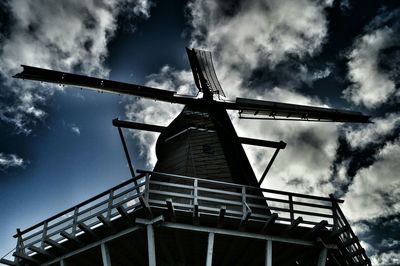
<point>257,109</point>
<point>203,70</point>
<point>58,77</point>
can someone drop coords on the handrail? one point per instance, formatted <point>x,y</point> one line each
<point>243,202</point>
<point>240,186</point>
<point>80,204</point>
<point>349,233</point>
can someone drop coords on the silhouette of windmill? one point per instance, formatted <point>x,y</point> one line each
<point>202,203</point>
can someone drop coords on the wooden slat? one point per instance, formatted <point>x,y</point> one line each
<point>8,262</point>
<point>171,209</point>
<point>40,251</point>
<point>87,230</point>
<point>294,224</point>
<point>72,238</point>
<point>55,245</point>
<point>271,220</point>
<point>26,258</point>
<point>124,214</point>
<point>221,215</point>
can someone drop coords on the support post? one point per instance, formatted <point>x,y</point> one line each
<point>322,256</point>
<point>128,158</point>
<point>105,254</point>
<point>268,253</point>
<point>44,234</point>
<point>150,245</point>
<point>210,248</point>
<point>268,167</point>
<point>62,263</point>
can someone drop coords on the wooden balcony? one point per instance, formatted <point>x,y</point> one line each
<point>193,204</point>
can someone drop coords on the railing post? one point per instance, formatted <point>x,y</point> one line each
<point>244,207</point>
<point>20,244</point>
<point>195,185</point>
<point>291,208</point>
<point>334,212</point>
<point>147,187</point>
<point>75,220</point>
<point>110,203</point>
<point>44,233</point>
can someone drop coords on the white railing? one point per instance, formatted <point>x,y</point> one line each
<point>188,194</point>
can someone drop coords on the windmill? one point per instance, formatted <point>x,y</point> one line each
<point>202,184</point>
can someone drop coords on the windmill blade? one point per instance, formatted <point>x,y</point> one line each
<point>258,109</point>
<point>52,76</point>
<point>203,71</point>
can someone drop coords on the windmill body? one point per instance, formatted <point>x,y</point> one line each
<point>202,203</point>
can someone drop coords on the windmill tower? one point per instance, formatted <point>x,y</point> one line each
<point>202,203</point>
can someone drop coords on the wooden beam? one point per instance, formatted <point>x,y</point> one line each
<point>356,253</point>
<point>318,227</point>
<point>363,262</point>
<point>104,221</point>
<point>221,216</point>
<point>171,210</point>
<point>26,258</point>
<point>196,214</point>
<point>124,214</point>
<point>105,255</point>
<point>338,232</point>
<point>8,262</point>
<point>294,224</point>
<point>271,220</point>
<point>55,245</point>
<point>150,245</point>
<point>244,220</point>
<point>349,242</point>
<point>72,238</point>
<point>322,256</point>
<point>146,207</point>
<point>210,249</point>
<point>268,253</point>
<point>87,230</point>
<point>41,251</point>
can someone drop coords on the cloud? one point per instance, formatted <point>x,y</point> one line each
<point>76,130</point>
<point>375,191</point>
<point>158,113</point>
<point>69,36</point>
<point>10,161</point>
<point>372,81</point>
<point>373,133</point>
<point>391,258</point>
<point>249,34</point>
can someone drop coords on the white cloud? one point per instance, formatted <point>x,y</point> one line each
<point>375,191</point>
<point>391,258</point>
<point>390,243</point>
<point>259,31</point>
<point>76,130</point>
<point>10,160</point>
<point>371,86</point>
<point>158,113</point>
<point>372,133</point>
<point>67,35</point>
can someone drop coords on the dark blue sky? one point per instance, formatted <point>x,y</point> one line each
<point>58,148</point>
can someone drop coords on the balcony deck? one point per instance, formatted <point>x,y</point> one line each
<point>192,204</point>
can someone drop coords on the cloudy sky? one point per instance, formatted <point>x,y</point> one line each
<point>58,146</point>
